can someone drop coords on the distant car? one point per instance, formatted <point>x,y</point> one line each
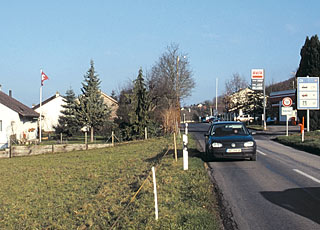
<point>204,120</point>
<point>245,118</point>
<point>214,119</point>
<point>270,120</point>
<point>230,139</point>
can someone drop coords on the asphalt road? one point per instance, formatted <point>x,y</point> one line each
<point>281,190</point>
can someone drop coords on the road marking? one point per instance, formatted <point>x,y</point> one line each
<point>307,175</point>
<point>262,153</point>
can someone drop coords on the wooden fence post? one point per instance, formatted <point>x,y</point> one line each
<point>175,146</point>
<point>112,138</point>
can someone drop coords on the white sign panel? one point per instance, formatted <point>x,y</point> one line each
<point>308,92</point>
<point>287,111</point>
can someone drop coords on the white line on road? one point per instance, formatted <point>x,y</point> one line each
<point>262,153</point>
<point>307,175</point>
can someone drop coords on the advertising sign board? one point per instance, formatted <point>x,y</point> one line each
<point>257,79</point>
<point>257,74</point>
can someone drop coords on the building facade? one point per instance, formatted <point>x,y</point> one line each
<point>18,122</point>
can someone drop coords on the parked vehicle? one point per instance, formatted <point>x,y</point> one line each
<point>270,120</point>
<point>230,139</point>
<point>245,118</point>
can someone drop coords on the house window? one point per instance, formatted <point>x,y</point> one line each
<point>0,125</point>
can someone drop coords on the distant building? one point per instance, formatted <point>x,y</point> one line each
<point>16,121</point>
<point>51,110</point>
<point>111,103</point>
<point>276,103</point>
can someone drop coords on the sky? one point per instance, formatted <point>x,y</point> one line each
<point>220,38</point>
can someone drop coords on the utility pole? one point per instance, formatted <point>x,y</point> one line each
<point>264,103</point>
<point>178,97</point>
<point>216,94</point>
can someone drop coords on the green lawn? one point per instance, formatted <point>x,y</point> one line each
<point>90,189</point>
<point>311,143</point>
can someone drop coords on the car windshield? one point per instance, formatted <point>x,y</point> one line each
<point>228,130</point>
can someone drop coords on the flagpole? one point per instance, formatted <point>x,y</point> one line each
<point>40,109</point>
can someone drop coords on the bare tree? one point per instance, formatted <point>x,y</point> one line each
<point>170,80</point>
<point>235,84</point>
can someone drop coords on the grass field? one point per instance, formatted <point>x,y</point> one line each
<point>311,143</point>
<point>90,190</point>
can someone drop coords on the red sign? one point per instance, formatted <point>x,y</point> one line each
<point>257,74</point>
<point>287,102</point>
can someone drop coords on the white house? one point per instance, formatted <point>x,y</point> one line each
<point>51,110</point>
<point>16,120</point>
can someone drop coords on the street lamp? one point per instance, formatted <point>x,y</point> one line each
<point>178,118</point>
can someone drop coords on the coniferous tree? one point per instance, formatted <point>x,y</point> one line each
<point>310,58</point>
<point>139,118</point>
<point>91,112</point>
<point>113,95</point>
<point>67,123</point>
<point>310,66</point>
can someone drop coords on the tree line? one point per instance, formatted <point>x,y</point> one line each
<point>150,101</point>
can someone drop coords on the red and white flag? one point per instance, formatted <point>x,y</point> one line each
<point>43,77</point>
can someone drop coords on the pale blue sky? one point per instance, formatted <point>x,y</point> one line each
<point>220,38</point>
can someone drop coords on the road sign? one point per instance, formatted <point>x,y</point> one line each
<point>287,111</point>
<point>257,79</point>
<point>287,102</point>
<point>308,93</point>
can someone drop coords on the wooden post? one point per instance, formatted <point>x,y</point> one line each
<point>10,147</point>
<point>175,147</point>
<point>112,138</point>
<point>60,138</point>
<point>85,137</point>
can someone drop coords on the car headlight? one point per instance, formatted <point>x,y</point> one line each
<point>216,145</point>
<point>248,144</point>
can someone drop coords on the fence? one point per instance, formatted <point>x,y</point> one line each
<point>15,151</point>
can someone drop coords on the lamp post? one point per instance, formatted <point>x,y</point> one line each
<point>177,94</point>
<point>178,116</point>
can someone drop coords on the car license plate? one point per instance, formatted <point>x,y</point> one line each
<point>233,150</point>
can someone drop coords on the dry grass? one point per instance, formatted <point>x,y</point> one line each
<point>89,190</point>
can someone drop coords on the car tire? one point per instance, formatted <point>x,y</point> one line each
<point>254,157</point>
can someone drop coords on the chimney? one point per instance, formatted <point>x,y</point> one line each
<point>0,87</point>
<point>10,93</point>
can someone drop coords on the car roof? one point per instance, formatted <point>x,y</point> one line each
<point>227,122</point>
